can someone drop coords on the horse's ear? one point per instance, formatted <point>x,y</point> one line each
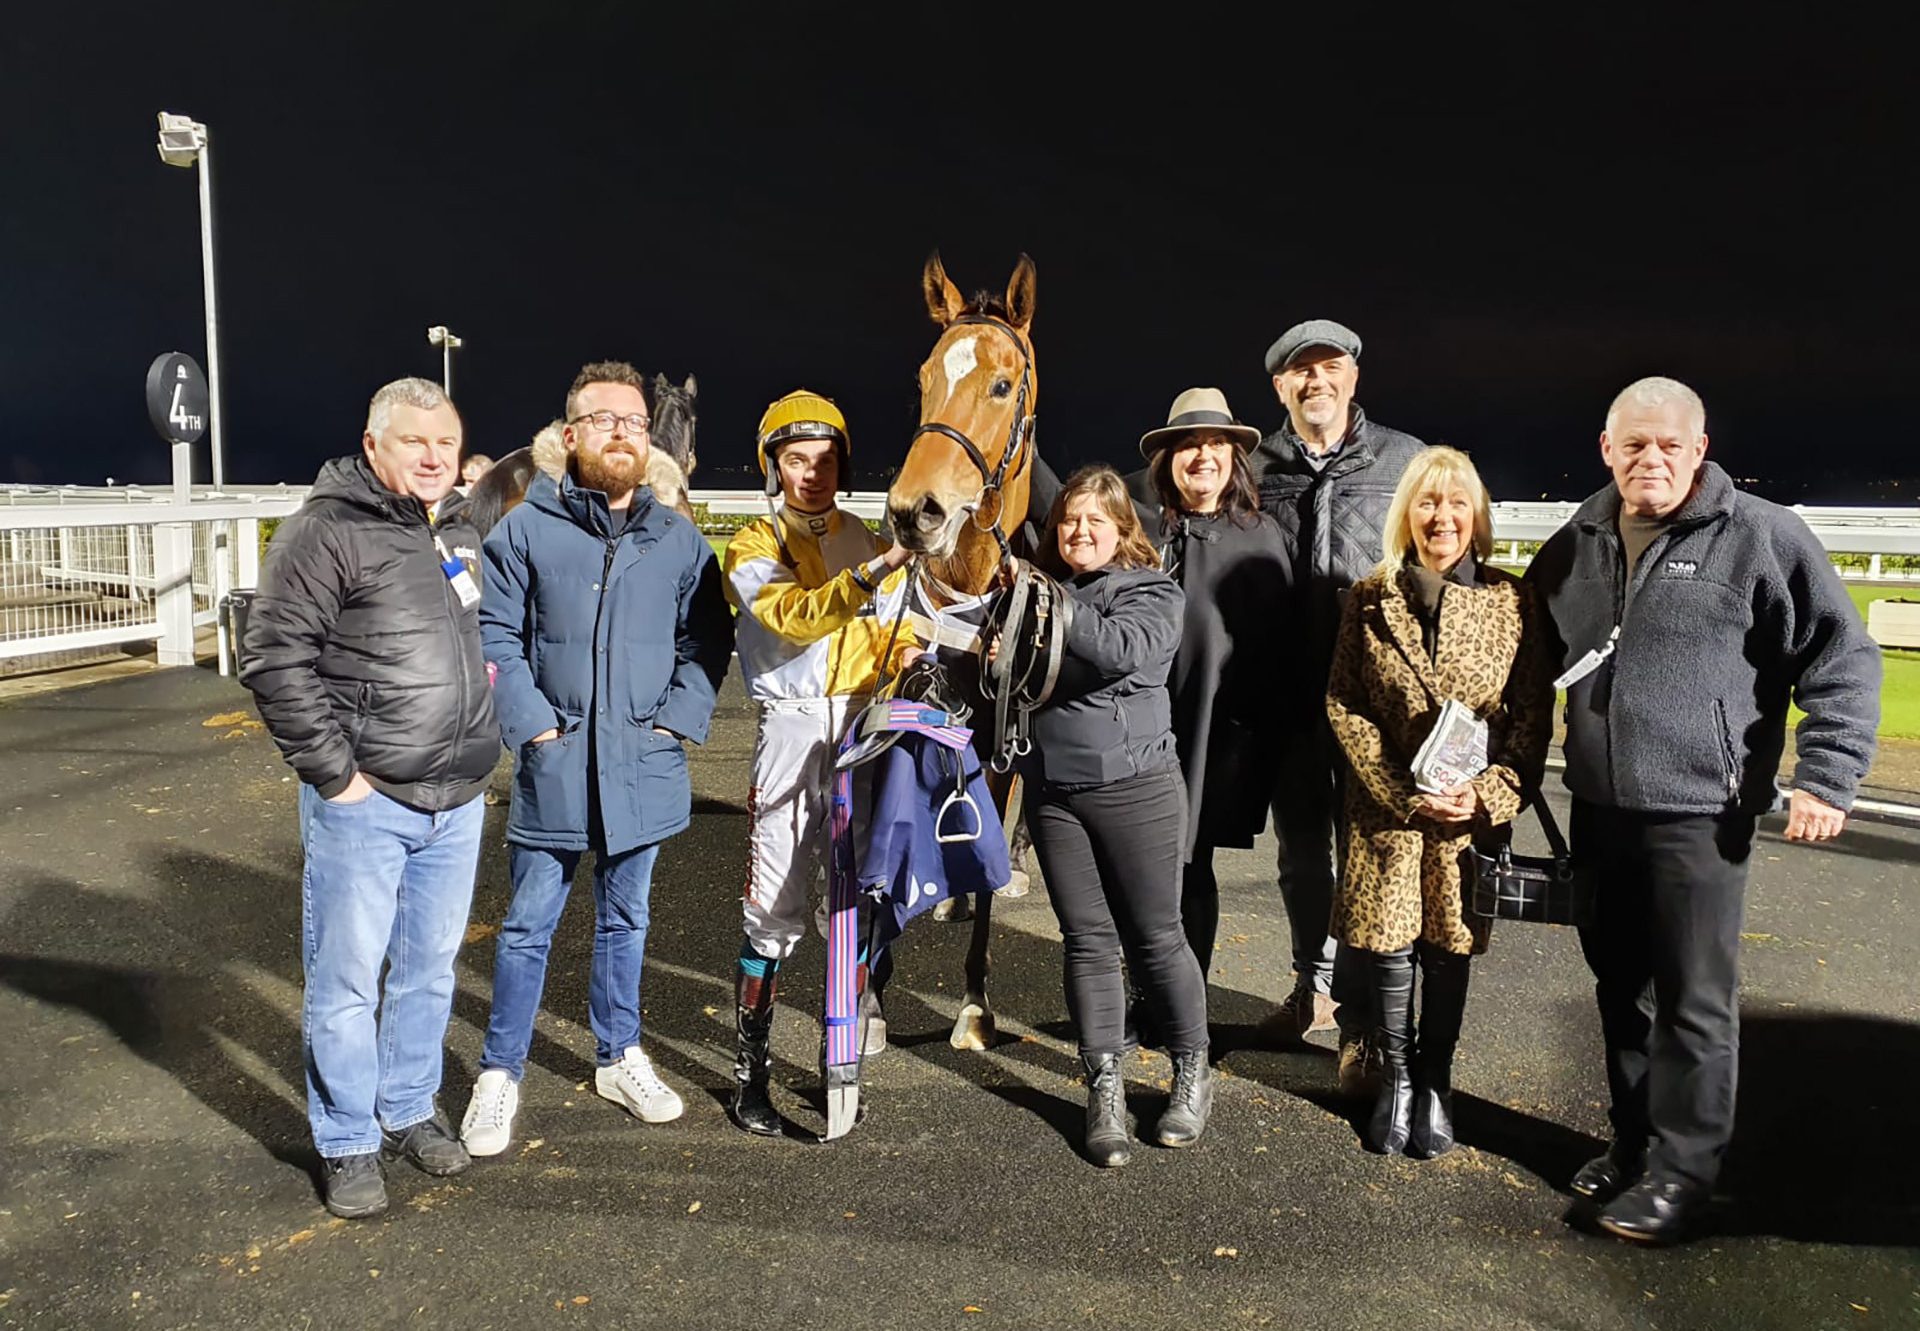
<point>944,301</point>
<point>692,389</point>
<point>1020,294</point>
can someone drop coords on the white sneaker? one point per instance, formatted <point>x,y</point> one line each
<point>635,1086</point>
<point>488,1125</point>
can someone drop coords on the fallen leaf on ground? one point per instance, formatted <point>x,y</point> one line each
<point>694,1207</point>
<point>222,720</point>
<point>1226,1252</point>
<point>579,1299</point>
<point>478,931</point>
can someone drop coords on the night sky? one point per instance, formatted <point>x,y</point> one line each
<point>1517,217</point>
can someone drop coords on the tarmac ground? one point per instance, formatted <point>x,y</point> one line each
<point>155,1165</point>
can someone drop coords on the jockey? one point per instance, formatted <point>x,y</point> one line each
<point>817,594</point>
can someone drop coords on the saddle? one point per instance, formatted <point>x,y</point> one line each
<point>1022,645</point>
<point>923,700</point>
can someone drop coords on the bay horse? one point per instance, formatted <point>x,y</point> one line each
<point>961,495</point>
<point>673,408</point>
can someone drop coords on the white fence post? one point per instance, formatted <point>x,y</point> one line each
<point>173,590</point>
<point>173,569</point>
<point>246,550</point>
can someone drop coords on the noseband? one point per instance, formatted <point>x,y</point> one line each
<point>1019,434</point>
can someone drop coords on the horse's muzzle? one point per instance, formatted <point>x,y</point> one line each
<point>923,526</point>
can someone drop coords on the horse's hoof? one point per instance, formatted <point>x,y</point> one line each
<point>1017,885</point>
<point>972,1029</point>
<point>955,908</point>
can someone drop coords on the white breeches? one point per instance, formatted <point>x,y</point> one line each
<point>788,815</point>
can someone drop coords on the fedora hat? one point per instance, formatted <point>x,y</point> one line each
<point>1197,409</point>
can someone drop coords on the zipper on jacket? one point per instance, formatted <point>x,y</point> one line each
<point>599,612</point>
<point>1728,759</point>
<point>452,603</point>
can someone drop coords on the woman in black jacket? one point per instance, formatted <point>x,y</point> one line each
<point>1107,810</point>
<point>1232,563</point>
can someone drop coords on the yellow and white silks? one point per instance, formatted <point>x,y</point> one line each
<point>810,639</point>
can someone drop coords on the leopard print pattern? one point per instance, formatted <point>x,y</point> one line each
<point>1403,873</point>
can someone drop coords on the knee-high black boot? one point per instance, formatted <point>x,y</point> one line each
<point>1392,1120</point>
<point>1443,1002</point>
<point>752,1059</point>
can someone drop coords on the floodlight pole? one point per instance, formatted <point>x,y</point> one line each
<point>443,337</point>
<point>217,425</point>
<point>186,142</point>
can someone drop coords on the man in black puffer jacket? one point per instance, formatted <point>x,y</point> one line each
<point>363,650</point>
<point>1327,476</point>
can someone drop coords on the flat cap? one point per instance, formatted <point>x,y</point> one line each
<point>1312,333</point>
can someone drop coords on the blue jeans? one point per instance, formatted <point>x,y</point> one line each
<point>541,878</point>
<point>382,883</point>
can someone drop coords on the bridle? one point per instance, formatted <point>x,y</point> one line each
<point>1029,618</point>
<point>1019,438</point>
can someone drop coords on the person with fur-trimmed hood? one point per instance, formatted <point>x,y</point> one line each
<point>816,591</point>
<point>603,615</point>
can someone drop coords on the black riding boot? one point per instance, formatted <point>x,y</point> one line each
<point>1108,1144</point>
<point>1391,1121</point>
<point>1443,1002</point>
<point>752,1060</point>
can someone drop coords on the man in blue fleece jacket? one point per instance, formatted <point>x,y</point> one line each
<point>1688,615</point>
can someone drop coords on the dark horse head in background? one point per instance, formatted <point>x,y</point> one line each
<point>674,413</point>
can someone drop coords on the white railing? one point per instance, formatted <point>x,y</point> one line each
<point>90,567</point>
<point>83,569</point>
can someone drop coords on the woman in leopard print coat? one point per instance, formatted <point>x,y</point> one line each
<point>1432,622</point>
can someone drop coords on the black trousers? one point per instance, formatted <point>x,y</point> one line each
<point>1111,856</point>
<point>1664,950</point>
<point>1200,906</point>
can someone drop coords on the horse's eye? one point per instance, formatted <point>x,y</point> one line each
<point>1002,387</point>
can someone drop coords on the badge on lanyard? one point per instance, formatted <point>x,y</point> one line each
<point>1589,663</point>
<point>456,571</point>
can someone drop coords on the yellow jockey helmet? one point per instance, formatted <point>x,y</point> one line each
<point>801,414</point>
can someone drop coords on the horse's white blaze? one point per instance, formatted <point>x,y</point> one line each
<point>959,362</point>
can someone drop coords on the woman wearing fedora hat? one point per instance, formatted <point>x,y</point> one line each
<point>1233,565</point>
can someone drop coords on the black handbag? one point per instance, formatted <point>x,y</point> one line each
<point>1538,889</point>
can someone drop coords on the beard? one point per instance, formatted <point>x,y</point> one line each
<point>615,472</point>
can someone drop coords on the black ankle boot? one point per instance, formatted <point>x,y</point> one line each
<point>1443,1003</point>
<point>1191,1102</point>
<point>1391,1122</point>
<point>1108,1144</point>
<point>752,1059</point>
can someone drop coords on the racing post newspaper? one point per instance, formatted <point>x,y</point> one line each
<point>1455,750</point>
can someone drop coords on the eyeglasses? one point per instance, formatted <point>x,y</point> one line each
<point>603,421</point>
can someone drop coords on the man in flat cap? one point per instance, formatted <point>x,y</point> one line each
<point>1327,476</point>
